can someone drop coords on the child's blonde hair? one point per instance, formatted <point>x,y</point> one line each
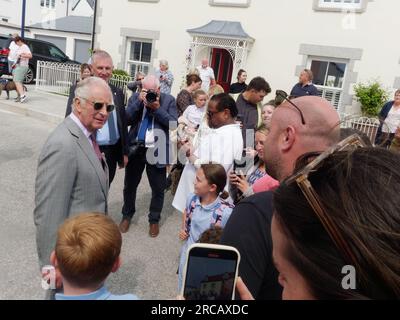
<point>215,89</point>
<point>199,93</point>
<point>87,247</point>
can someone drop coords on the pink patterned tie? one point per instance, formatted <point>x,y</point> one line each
<point>96,148</point>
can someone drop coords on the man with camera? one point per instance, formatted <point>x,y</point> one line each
<point>150,114</point>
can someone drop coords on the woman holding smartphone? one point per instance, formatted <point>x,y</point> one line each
<point>242,181</point>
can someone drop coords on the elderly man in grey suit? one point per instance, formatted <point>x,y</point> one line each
<point>72,174</point>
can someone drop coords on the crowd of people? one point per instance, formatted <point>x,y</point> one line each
<point>273,180</point>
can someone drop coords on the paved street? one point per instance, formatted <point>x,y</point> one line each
<point>149,265</point>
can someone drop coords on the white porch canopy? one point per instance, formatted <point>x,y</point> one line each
<point>228,35</point>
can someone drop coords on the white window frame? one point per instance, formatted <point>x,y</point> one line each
<point>327,91</point>
<point>49,4</point>
<point>138,63</point>
<point>230,3</point>
<point>144,0</point>
<point>341,5</point>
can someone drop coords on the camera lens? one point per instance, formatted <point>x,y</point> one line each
<point>151,97</point>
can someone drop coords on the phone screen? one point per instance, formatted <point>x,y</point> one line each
<point>210,274</point>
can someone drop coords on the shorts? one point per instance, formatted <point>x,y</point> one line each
<point>19,73</point>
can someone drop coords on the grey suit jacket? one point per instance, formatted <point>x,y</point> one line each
<point>70,180</point>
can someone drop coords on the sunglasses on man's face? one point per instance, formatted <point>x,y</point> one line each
<point>99,105</point>
<point>211,114</point>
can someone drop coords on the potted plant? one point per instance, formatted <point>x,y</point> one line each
<point>372,97</point>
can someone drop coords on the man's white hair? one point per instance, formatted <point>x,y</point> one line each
<point>100,54</point>
<point>151,82</point>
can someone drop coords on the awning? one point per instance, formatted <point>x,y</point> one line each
<point>222,29</point>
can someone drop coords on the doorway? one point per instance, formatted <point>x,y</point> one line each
<point>222,65</point>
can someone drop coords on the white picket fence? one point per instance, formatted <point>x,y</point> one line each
<point>54,77</point>
<point>369,126</point>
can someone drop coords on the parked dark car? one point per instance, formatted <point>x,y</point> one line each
<point>41,50</point>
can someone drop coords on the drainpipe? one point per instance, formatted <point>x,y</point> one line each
<point>67,14</point>
<point>94,23</point>
<point>23,18</point>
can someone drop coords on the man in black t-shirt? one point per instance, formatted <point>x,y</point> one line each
<point>247,102</point>
<point>249,227</point>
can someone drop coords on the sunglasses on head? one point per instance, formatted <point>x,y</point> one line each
<point>301,178</point>
<point>99,105</point>
<point>283,96</point>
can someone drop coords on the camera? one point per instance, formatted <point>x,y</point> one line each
<point>151,96</point>
<point>136,149</point>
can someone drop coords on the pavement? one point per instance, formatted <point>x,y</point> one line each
<point>39,105</point>
<point>148,264</point>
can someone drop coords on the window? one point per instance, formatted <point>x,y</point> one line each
<point>39,49</point>
<point>329,78</point>
<point>340,5</point>
<point>56,53</point>
<point>51,4</point>
<point>144,0</point>
<point>230,3</point>
<point>139,57</point>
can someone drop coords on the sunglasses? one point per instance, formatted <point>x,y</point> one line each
<point>282,96</point>
<point>211,114</point>
<point>301,178</point>
<point>99,105</point>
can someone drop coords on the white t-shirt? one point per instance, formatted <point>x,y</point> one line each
<point>392,121</point>
<point>223,146</point>
<point>23,62</point>
<point>12,55</point>
<point>206,74</point>
<point>194,115</point>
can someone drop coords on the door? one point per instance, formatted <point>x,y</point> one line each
<point>82,50</point>
<point>222,65</point>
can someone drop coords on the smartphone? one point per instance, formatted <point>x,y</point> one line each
<point>210,272</point>
<point>242,166</point>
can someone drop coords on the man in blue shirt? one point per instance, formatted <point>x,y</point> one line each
<point>305,86</point>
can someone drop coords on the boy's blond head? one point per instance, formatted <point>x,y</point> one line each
<point>87,247</point>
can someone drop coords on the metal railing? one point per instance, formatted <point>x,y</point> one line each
<point>369,126</point>
<point>54,77</point>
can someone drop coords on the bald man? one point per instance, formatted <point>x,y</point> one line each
<point>249,227</point>
<point>206,74</point>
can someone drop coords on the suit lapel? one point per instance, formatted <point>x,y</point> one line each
<point>88,150</point>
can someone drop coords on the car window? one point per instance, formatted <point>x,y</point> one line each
<point>56,53</point>
<point>4,42</point>
<point>40,49</point>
